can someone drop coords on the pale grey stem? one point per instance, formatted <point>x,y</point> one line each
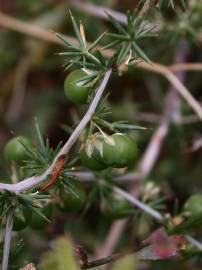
<point>195,105</point>
<point>144,207</point>
<point>152,152</point>
<point>36,180</point>
<point>82,176</point>
<point>98,11</point>
<point>89,176</point>
<point>194,242</point>
<point>7,240</point>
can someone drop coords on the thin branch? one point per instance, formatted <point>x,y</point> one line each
<point>116,256</point>
<point>36,180</point>
<point>98,11</point>
<point>153,149</point>
<point>156,119</point>
<point>7,240</point>
<point>30,29</point>
<point>89,176</point>
<point>111,239</point>
<point>194,242</point>
<point>189,120</point>
<point>183,91</point>
<point>144,207</point>
<point>186,67</point>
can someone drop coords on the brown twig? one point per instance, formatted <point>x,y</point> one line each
<point>55,173</point>
<point>186,67</point>
<point>41,33</point>
<point>115,256</point>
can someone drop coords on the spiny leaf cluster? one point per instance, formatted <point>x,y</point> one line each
<point>125,40</point>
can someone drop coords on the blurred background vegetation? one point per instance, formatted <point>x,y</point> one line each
<point>32,79</point>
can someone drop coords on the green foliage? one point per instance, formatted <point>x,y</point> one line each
<point>72,199</point>
<point>193,205</point>
<point>81,55</point>
<point>40,220</point>
<point>62,256</point>
<point>24,204</point>
<point>101,154</point>
<point>128,37</point>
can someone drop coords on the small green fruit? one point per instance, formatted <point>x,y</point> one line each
<point>193,206</point>
<point>94,162</point>
<point>73,90</point>
<point>121,153</point>
<point>15,150</point>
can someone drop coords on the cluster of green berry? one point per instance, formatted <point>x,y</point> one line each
<point>118,151</point>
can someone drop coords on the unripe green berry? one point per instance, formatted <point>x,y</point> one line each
<point>73,89</point>
<point>15,150</point>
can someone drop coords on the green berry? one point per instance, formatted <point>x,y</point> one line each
<point>120,152</point>
<point>193,206</point>
<point>73,89</point>
<point>15,150</point>
<point>94,162</point>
